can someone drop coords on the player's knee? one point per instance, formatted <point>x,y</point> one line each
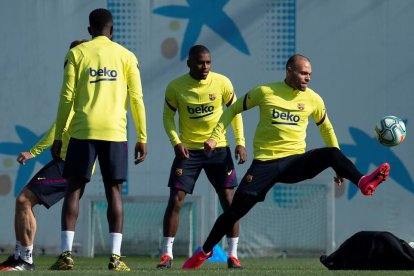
<point>332,153</point>
<point>226,197</point>
<point>335,150</point>
<point>337,154</point>
<point>22,201</point>
<point>175,203</point>
<point>177,195</point>
<point>176,206</point>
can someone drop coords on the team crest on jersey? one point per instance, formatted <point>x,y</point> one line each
<point>249,178</point>
<point>179,172</point>
<point>301,106</point>
<point>212,97</point>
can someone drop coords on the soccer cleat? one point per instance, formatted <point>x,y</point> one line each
<point>368,183</point>
<point>197,260</point>
<point>7,264</point>
<point>233,263</point>
<point>116,264</point>
<point>165,262</point>
<point>21,265</point>
<point>64,262</point>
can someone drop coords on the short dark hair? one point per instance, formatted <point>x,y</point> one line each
<point>76,43</point>
<point>291,61</point>
<point>197,49</point>
<point>100,18</point>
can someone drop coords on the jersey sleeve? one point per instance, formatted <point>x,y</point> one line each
<point>45,142</point>
<point>170,108</point>
<point>229,98</point>
<point>136,98</point>
<point>67,94</point>
<point>322,121</point>
<point>251,99</point>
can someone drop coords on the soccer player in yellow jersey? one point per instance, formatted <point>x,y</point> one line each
<point>46,188</point>
<point>99,77</point>
<point>199,97</point>
<point>279,147</point>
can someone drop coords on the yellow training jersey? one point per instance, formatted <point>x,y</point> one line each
<point>200,104</point>
<point>99,75</point>
<point>284,114</point>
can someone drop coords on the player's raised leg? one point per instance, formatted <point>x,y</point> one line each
<point>317,160</point>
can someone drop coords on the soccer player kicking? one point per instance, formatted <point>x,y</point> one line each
<point>279,147</point>
<point>199,97</point>
<point>99,77</point>
<point>47,187</point>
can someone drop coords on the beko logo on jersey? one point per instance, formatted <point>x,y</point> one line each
<point>104,74</point>
<point>200,111</point>
<point>286,117</point>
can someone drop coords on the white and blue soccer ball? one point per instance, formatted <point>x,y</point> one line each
<point>390,131</point>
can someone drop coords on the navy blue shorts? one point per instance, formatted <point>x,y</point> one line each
<point>48,184</point>
<point>218,167</point>
<point>81,156</point>
<point>262,175</point>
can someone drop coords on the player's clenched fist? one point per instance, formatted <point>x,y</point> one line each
<point>210,145</point>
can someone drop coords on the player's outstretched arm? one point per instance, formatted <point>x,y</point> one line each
<point>44,143</point>
<point>140,152</point>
